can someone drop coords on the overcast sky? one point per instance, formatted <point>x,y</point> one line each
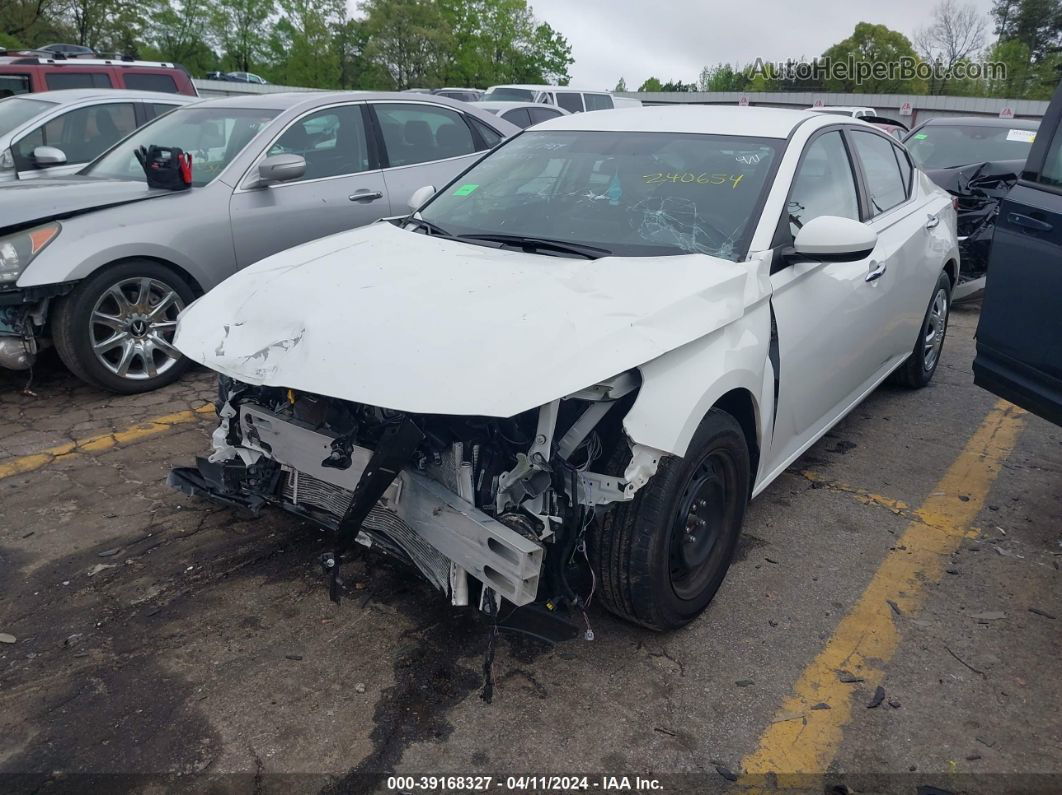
<point>675,39</point>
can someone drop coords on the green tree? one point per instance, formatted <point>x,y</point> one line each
<point>870,47</point>
<point>408,41</point>
<point>500,41</point>
<point>621,85</point>
<point>1035,23</point>
<point>652,84</point>
<point>182,30</point>
<point>304,45</point>
<point>243,31</point>
<point>356,70</point>
<point>723,77</point>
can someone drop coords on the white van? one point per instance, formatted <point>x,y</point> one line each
<point>573,100</point>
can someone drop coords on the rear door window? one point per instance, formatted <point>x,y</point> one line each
<point>906,170</point>
<point>158,108</point>
<point>60,80</point>
<point>598,101</point>
<point>490,136</point>
<point>570,101</point>
<point>149,82</point>
<point>543,114</point>
<point>885,183</point>
<point>422,133</point>
<point>14,84</point>
<point>83,134</point>
<point>518,116</point>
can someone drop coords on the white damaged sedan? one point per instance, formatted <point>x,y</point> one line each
<point>567,373</point>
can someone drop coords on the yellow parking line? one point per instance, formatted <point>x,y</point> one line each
<point>803,741</point>
<point>105,441</point>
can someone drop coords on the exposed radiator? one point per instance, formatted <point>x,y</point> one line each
<point>303,489</point>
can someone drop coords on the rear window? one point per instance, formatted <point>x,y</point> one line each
<point>149,82</point>
<point>509,95</point>
<point>518,116</point>
<point>947,146</point>
<point>14,84</point>
<point>59,80</point>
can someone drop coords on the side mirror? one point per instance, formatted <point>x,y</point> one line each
<point>48,156</point>
<point>420,196</point>
<point>281,168</point>
<point>830,237</point>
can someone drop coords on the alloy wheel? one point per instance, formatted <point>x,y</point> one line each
<point>936,325</point>
<point>132,326</point>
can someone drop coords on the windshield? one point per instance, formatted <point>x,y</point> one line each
<point>946,146</point>
<point>213,136</point>
<point>15,111</point>
<point>630,193</point>
<point>509,95</point>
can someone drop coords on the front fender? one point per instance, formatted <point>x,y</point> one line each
<point>680,387</point>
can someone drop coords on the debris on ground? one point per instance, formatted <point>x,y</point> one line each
<point>109,553</point>
<point>100,567</point>
<point>879,696</point>
<point>359,687</point>
<point>848,678</point>
<point>1043,613</point>
<point>744,682</point>
<point>895,607</point>
<point>991,615</point>
<point>894,703</point>
<point>6,638</point>
<point>726,773</point>
<point>295,657</point>
<point>972,757</point>
<point>821,705</point>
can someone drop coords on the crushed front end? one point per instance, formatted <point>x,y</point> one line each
<point>485,508</point>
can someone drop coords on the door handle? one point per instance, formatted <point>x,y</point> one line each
<point>877,271</point>
<point>932,222</point>
<point>1029,223</point>
<point>366,196</point>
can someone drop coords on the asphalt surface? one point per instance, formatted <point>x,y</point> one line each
<point>162,641</point>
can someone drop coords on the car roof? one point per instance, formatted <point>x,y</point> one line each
<point>708,119</point>
<point>66,96</point>
<point>981,121</point>
<point>842,107</point>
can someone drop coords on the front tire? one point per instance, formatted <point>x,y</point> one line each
<point>920,366</point>
<point>115,329</point>
<point>660,558</point>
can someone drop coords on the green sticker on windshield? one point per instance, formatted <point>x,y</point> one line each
<point>464,190</point>
<point>921,137</point>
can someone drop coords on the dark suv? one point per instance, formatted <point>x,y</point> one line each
<point>1019,336</point>
<point>26,72</point>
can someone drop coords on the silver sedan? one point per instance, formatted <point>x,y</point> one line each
<point>101,264</point>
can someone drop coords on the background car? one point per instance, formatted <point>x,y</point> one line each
<point>573,100</point>
<point>102,264</point>
<point>69,50</point>
<point>57,132</point>
<point>854,111</point>
<point>977,160</point>
<point>523,114</point>
<point>463,94</point>
<point>1019,333</point>
<point>33,72</point>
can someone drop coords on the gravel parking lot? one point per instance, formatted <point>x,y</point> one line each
<point>895,616</point>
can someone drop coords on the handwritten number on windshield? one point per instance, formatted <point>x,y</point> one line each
<point>701,179</point>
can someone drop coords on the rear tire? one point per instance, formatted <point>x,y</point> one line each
<point>115,329</point>
<point>920,366</point>
<point>660,558</point>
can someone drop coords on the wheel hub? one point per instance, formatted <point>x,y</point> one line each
<point>131,327</point>
<point>699,525</point>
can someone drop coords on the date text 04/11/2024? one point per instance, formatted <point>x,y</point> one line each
<point>522,783</point>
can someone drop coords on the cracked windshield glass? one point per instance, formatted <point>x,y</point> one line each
<point>632,194</point>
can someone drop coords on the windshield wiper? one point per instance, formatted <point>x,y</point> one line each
<point>542,244</point>
<point>435,229</point>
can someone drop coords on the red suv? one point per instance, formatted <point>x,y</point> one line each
<point>25,72</point>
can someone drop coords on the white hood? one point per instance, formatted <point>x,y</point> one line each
<point>392,318</point>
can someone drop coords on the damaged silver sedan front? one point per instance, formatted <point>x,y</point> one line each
<point>566,374</point>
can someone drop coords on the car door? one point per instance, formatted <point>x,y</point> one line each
<point>1019,334</point>
<point>424,144</point>
<point>829,315</point>
<point>910,237</point>
<point>341,189</point>
<point>82,134</point>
